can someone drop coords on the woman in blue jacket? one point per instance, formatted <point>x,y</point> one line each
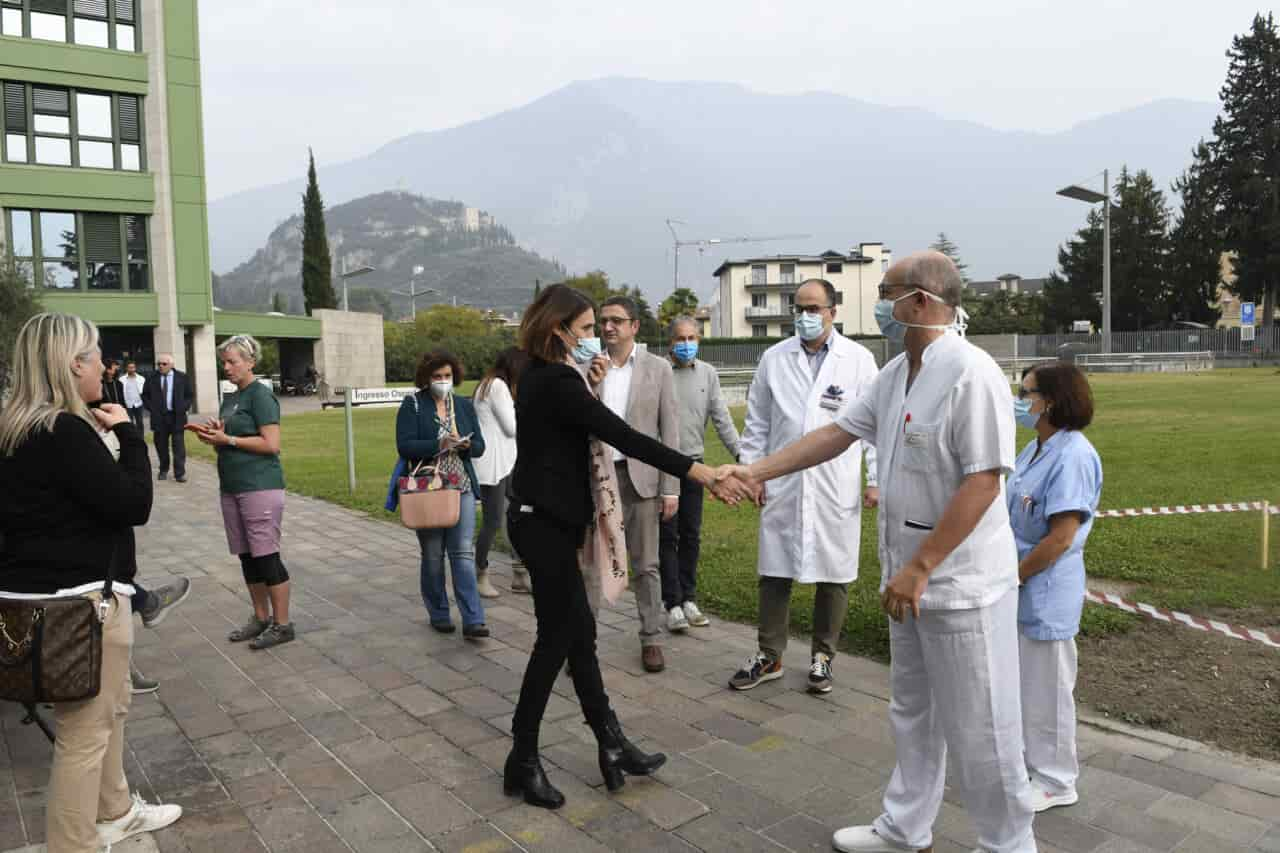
<point>435,424</point>
<point>1053,497</point>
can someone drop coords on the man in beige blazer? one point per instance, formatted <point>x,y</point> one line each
<point>638,387</point>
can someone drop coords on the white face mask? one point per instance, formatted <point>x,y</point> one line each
<point>442,389</point>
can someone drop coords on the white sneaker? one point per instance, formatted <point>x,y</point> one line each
<point>695,616</point>
<point>676,621</point>
<point>142,817</point>
<point>1042,799</point>
<point>865,839</point>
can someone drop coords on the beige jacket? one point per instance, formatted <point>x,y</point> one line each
<point>652,410</point>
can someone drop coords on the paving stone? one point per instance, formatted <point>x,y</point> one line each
<point>1058,829</point>
<point>1238,799</point>
<point>367,819</point>
<point>800,833</point>
<point>541,831</point>
<point>1206,818</point>
<point>481,838</point>
<point>1138,827</point>
<point>431,809</point>
<point>715,834</point>
<point>664,806</point>
<point>1152,773</point>
<point>735,802</point>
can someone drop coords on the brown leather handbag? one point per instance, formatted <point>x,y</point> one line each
<point>425,503</point>
<point>51,648</point>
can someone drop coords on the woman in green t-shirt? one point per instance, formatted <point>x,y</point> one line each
<point>246,435</point>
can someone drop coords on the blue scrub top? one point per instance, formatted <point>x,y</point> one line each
<point>1065,477</point>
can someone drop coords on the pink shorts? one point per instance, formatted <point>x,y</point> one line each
<point>252,521</point>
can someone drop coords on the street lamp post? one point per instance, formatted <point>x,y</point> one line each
<point>1085,194</point>
<point>344,275</point>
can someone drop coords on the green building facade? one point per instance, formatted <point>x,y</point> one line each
<point>102,185</point>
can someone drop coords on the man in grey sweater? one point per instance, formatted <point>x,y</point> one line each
<point>698,399</point>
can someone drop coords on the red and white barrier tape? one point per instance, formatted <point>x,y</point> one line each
<point>1193,509</point>
<point>1237,632</point>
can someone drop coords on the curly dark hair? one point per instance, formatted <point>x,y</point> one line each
<point>433,361</point>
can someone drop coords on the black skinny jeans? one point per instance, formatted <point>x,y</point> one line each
<point>566,628</point>
<point>493,499</point>
<point>679,545</point>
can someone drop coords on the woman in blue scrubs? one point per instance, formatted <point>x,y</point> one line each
<point>1053,495</point>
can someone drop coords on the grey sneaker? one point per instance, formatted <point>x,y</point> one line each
<point>249,630</point>
<point>676,622</point>
<point>139,683</point>
<point>275,635</point>
<point>161,601</point>
<point>695,616</point>
<point>141,817</point>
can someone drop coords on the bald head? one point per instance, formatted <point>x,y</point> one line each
<point>931,271</point>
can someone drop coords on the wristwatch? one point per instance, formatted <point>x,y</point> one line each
<point>231,441</point>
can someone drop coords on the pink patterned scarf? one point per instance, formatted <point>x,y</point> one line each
<point>603,557</point>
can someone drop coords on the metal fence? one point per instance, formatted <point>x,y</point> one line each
<point>1226,345</point>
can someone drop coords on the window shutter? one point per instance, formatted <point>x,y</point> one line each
<point>51,101</point>
<point>15,107</point>
<point>101,237</point>
<point>57,7</point>
<point>135,228</point>
<point>124,10</point>
<point>92,8</point>
<point>128,106</point>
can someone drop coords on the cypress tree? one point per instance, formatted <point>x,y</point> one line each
<point>317,266</point>
<point>944,245</point>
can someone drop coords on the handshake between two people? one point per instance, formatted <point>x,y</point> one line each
<point>731,484</point>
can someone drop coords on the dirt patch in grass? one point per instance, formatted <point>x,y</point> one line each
<point>1201,686</point>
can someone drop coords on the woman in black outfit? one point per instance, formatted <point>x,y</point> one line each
<point>556,416</point>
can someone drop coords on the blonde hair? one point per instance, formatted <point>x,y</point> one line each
<point>44,385</point>
<point>248,348</point>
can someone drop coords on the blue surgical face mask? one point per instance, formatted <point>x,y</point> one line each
<point>809,326</point>
<point>1023,415</point>
<point>896,330</point>
<point>685,351</point>
<point>587,349</point>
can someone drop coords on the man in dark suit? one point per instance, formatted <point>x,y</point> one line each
<point>167,395</point>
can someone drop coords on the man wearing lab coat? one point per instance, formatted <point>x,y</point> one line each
<point>941,417</point>
<point>811,523</point>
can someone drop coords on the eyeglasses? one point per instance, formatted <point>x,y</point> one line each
<point>1024,393</point>
<point>808,309</point>
<point>615,321</point>
<point>886,289</point>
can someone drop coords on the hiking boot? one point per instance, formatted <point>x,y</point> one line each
<point>758,669</point>
<point>520,579</point>
<point>249,630</point>
<point>161,601</point>
<point>485,588</point>
<point>676,621</point>
<point>275,635</point>
<point>820,673</point>
<point>139,683</point>
<point>695,616</point>
<point>141,817</point>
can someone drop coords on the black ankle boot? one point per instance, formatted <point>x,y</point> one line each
<point>523,774</point>
<point>620,756</point>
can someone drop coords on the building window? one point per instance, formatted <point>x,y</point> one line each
<point>81,251</point>
<point>839,297</point>
<point>759,330</point>
<point>759,274</point>
<point>835,268</point>
<point>788,302</point>
<point>788,329</point>
<point>91,130</point>
<point>93,23</point>
<point>884,265</point>
<point>788,273</point>
<point>759,300</point>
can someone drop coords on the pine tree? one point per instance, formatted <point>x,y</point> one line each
<point>1139,248</point>
<point>317,266</point>
<point>1073,292</point>
<point>944,245</point>
<point>19,302</point>
<point>1194,267</point>
<point>1246,162</point>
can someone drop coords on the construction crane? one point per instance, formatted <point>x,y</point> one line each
<point>716,241</point>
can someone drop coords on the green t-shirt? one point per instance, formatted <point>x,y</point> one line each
<point>243,414</point>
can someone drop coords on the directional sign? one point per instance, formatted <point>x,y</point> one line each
<point>1246,313</point>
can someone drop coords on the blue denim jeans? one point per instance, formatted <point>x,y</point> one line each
<point>458,542</point>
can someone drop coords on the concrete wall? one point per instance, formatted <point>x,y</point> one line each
<point>350,351</point>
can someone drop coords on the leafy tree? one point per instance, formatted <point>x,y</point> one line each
<point>1139,247</point>
<point>317,266</point>
<point>1005,313</point>
<point>279,303</point>
<point>1246,162</point>
<point>594,284</point>
<point>19,302</point>
<point>1193,265</point>
<point>944,245</point>
<point>1074,291</point>
<point>682,301</point>
<point>649,330</point>
<point>449,321</point>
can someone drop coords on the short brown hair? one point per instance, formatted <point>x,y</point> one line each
<point>554,309</point>
<point>433,361</point>
<point>1066,392</point>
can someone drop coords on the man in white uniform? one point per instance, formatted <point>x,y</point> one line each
<point>133,383</point>
<point>811,525</point>
<point>941,417</point>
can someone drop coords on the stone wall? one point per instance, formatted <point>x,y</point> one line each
<point>350,351</point>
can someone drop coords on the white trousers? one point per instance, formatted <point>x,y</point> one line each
<point>1049,711</point>
<point>954,677</point>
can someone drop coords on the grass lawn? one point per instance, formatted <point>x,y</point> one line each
<point>1164,439</point>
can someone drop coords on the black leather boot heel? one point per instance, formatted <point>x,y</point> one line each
<point>523,775</point>
<point>620,757</point>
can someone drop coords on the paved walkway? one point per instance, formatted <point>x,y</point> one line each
<point>373,734</point>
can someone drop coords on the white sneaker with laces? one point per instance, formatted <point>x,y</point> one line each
<point>1043,799</point>
<point>865,839</point>
<point>676,621</point>
<point>695,615</point>
<point>820,674</point>
<point>142,817</point>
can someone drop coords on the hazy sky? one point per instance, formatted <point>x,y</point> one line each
<point>279,76</point>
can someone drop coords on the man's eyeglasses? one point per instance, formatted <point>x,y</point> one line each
<point>808,309</point>
<point>615,321</point>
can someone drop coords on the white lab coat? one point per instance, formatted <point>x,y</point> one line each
<point>811,525</point>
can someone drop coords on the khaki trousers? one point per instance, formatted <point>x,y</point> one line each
<point>640,519</point>
<point>830,603</point>
<point>87,783</point>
